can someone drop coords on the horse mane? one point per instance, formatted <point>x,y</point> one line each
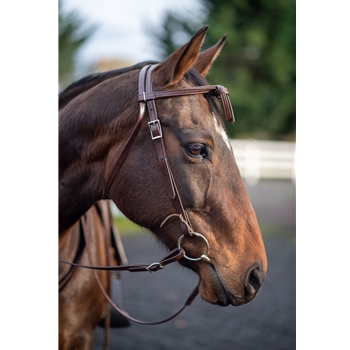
<point>91,80</point>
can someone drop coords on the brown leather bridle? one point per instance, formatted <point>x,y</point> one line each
<point>146,98</point>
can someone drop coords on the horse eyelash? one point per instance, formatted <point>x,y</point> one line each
<point>203,156</point>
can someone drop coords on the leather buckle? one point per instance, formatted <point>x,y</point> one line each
<point>222,93</point>
<point>159,129</point>
<point>156,265</point>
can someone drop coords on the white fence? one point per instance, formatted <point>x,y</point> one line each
<point>264,159</point>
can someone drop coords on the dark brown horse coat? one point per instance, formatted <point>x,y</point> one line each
<point>95,125</point>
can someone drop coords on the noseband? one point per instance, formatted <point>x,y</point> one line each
<point>146,98</point>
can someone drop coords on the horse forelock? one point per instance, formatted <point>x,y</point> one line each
<point>195,79</point>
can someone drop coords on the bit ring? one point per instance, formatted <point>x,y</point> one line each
<point>203,256</point>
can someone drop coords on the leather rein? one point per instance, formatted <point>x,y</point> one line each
<point>146,98</point>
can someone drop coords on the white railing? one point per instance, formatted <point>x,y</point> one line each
<point>264,159</point>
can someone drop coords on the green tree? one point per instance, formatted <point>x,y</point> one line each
<point>72,34</point>
<point>257,63</point>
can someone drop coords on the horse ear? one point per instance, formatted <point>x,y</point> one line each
<point>207,57</point>
<point>170,71</point>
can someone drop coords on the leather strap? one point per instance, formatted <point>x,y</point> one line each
<point>194,90</point>
<point>166,260</point>
<point>217,90</point>
<point>156,130</point>
<point>81,246</point>
<point>172,256</point>
<point>106,220</point>
<point>125,151</point>
<point>157,137</point>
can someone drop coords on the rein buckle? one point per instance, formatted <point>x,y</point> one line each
<point>156,266</point>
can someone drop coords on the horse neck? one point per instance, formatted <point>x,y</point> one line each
<point>92,130</point>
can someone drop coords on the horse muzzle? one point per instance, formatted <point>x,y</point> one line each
<point>224,290</point>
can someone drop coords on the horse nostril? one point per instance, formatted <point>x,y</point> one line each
<point>253,279</point>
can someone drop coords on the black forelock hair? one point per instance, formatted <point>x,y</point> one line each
<point>192,76</point>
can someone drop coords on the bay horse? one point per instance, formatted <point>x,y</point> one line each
<point>175,175</point>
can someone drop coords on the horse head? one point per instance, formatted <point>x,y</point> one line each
<point>202,164</point>
<point>207,178</point>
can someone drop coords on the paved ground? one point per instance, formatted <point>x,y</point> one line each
<point>267,323</point>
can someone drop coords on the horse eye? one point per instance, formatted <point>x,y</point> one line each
<point>197,150</point>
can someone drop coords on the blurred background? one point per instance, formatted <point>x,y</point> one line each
<point>257,65</point>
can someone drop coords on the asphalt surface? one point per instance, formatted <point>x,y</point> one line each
<point>267,323</point>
